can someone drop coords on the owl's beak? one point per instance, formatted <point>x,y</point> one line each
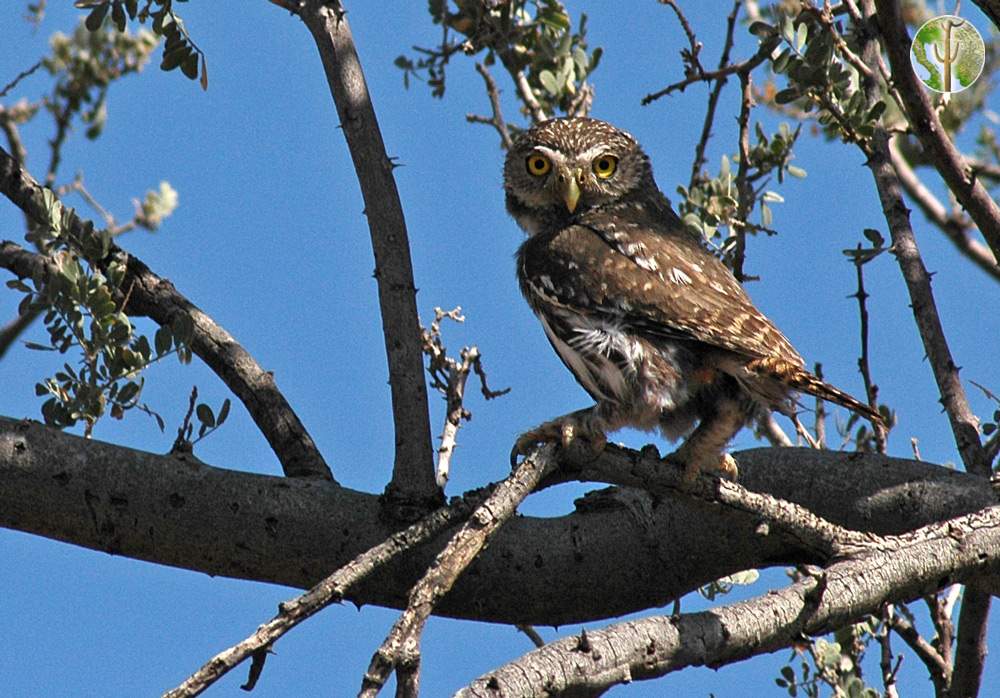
<point>569,188</point>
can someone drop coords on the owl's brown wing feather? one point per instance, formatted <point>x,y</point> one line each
<point>669,282</point>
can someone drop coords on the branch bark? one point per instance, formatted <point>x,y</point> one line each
<point>964,424</point>
<point>652,647</point>
<point>617,553</point>
<point>413,469</point>
<point>927,126</point>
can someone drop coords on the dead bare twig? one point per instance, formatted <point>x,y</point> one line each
<point>329,591</point>
<point>400,651</point>
<point>448,376</point>
<point>496,120</point>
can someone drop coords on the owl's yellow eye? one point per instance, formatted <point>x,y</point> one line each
<point>538,165</point>
<point>605,166</point>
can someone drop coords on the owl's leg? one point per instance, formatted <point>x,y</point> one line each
<point>705,449</point>
<point>588,424</point>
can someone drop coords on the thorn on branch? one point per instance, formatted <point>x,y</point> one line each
<point>257,661</point>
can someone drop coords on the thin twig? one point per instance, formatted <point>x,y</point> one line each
<point>329,591</point>
<point>496,121</point>
<point>401,648</point>
<point>820,413</point>
<point>412,485</point>
<point>449,376</point>
<point>887,664</point>
<point>532,634</point>
<point>14,329</point>
<point>690,56</point>
<point>939,670</point>
<point>20,76</point>
<point>744,190</point>
<point>713,99</point>
<point>763,53</point>
<point>528,97</point>
<point>864,365</point>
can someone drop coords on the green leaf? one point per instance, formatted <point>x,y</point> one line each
<point>800,36</point>
<point>162,340</point>
<point>38,347</point>
<point>173,56</point>
<point>874,237</point>
<point>796,171</point>
<point>190,66</point>
<point>762,30</point>
<point>118,16</point>
<point>876,111</point>
<point>787,95</point>
<point>549,82</point>
<point>223,412</point>
<point>129,392</point>
<point>205,415</point>
<point>96,17</point>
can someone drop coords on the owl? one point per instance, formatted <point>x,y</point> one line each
<point>650,322</point>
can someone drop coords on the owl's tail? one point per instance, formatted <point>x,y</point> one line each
<point>806,382</point>
<point>799,379</point>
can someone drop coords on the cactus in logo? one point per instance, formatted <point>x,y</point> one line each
<point>950,54</point>
<point>947,54</point>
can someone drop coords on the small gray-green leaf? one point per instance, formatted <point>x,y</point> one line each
<point>205,415</point>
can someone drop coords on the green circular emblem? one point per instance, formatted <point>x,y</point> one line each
<point>948,54</point>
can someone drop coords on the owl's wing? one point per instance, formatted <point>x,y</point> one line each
<point>646,272</point>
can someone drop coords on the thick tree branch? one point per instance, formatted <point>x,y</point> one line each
<point>413,468</point>
<point>954,226</point>
<point>896,571</point>
<point>616,554</point>
<point>970,648</point>
<point>927,126</point>
<point>964,424</point>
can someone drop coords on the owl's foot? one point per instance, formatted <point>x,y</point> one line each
<point>568,431</point>
<point>693,464</point>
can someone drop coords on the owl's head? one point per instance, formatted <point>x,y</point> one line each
<point>564,167</point>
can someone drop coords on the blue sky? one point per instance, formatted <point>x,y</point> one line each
<point>270,240</point>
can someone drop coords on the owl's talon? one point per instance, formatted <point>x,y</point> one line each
<point>567,431</point>
<point>723,465</point>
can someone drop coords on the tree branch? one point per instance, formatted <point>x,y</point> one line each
<point>412,481</point>
<point>896,571</point>
<point>497,120</point>
<point>610,557</point>
<point>970,649</point>
<point>937,667</point>
<point>964,424</point>
<point>927,126</point>
<point>954,226</point>
<point>329,591</point>
<point>157,299</point>
<point>401,649</point>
